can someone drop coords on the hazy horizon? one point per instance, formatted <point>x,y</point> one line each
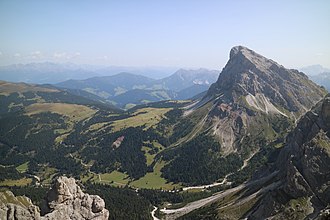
<point>188,34</point>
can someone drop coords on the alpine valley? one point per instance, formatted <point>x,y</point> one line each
<point>253,145</point>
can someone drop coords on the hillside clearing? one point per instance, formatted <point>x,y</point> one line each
<point>20,182</point>
<point>154,180</point>
<point>147,117</point>
<point>74,112</point>
<point>23,167</point>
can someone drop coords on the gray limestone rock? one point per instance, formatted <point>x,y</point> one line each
<point>65,200</point>
<point>17,208</point>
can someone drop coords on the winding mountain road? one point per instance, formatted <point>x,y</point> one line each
<point>153,213</point>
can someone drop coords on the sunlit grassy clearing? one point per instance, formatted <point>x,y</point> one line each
<point>97,126</point>
<point>114,178</point>
<point>145,116</point>
<point>20,182</point>
<point>158,145</point>
<point>73,111</point>
<point>149,157</point>
<point>89,176</point>
<point>23,167</point>
<point>154,180</point>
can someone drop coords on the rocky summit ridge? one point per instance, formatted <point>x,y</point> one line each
<point>252,75</point>
<point>251,91</point>
<point>65,200</point>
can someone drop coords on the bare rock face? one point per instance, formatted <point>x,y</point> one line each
<point>254,91</point>
<point>20,207</point>
<point>66,200</point>
<point>303,167</point>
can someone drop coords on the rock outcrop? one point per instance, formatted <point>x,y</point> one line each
<point>65,200</point>
<point>17,207</point>
<point>250,74</point>
<point>304,171</point>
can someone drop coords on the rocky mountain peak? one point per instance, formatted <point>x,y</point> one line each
<point>246,67</point>
<point>241,50</point>
<point>251,87</point>
<point>252,75</point>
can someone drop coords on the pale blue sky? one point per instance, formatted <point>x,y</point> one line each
<point>163,33</point>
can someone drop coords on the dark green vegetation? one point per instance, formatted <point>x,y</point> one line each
<point>205,165</point>
<point>9,173</point>
<point>122,203</point>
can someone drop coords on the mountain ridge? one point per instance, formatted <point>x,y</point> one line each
<point>253,103</point>
<point>181,84</point>
<point>293,186</point>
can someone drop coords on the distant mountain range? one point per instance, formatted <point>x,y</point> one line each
<point>322,79</point>
<point>42,73</point>
<point>48,72</point>
<point>126,90</point>
<point>314,70</point>
<point>142,84</point>
<point>122,86</point>
<point>318,74</point>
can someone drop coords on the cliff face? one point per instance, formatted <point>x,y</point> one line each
<point>304,171</point>
<point>19,207</point>
<point>65,200</point>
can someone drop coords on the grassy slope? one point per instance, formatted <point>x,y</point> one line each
<point>23,167</point>
<point>20,182</point>
<point>72,111</point>
<point>154,180</point>
<point>148,117</point>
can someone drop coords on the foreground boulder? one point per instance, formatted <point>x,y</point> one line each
<point>65,200</point>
